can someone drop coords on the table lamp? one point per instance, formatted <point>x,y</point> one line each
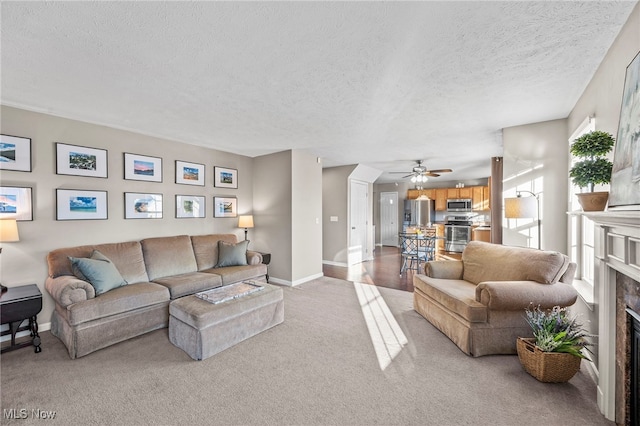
<point>8,234</point>
<point>245,222</point>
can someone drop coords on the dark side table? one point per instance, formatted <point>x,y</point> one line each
<point>266,259</point>
<point>18,304</point>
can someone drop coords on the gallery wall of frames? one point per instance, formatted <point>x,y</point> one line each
<point>92,204</point>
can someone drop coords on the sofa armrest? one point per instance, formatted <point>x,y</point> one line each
<point>519,295</point>
<point>67,290</point>
<point>445,269</point>
<point>254,257</point>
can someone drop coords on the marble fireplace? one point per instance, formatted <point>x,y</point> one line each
<point>617,281</point>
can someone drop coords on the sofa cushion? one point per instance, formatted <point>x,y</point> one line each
<point>126,256</point>
<point>454,295</point>
<point>232,254</point>
<point>193,282</point>
<point>167,256</point>
<point>119,300</point>
<point>205,248</point>
<point>99,271</point>
<point>493,262</point>
<point>234,274</point>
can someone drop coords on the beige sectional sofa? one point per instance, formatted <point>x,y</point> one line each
<point>156,271</point>
<point>479,302</point>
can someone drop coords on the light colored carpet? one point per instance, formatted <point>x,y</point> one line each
<point>318,367</point>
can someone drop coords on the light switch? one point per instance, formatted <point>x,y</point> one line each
<point>333,218</point>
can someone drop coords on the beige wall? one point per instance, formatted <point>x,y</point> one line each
<point>335,202</point>
<point>25,262</point>
<point>306,217</point>
<point>272,198</point>
<point>287,197</point>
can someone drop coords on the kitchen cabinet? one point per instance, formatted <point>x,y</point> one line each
<point>481,233</point>
<point>440,240</point>
<point>441,199</point>
<point>478,194</point>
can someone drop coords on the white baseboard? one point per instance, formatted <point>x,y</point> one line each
<point>331,263</point>
<point>41,327</point>
<point>296,282</point>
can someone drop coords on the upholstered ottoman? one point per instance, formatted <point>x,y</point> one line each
<point>203,329</point>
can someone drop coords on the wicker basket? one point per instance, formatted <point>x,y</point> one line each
<point>549,367</point>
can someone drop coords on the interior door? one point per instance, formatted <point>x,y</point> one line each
<point>389,219</point>
<point>358,222</point>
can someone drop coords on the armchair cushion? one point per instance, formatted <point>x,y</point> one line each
<point>493,262</point>
<point>519,295</point>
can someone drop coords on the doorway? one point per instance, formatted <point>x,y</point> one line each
<point>389,219</point>
<point>358,241</point>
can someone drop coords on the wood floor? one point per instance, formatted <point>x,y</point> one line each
<point>383,270</point>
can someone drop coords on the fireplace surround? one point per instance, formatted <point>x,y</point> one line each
<point>617,283</point>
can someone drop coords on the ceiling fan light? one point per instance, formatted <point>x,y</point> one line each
<point>413,179</point>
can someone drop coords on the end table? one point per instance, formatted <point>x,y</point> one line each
<point>266,259</point>
<point>18,304</point>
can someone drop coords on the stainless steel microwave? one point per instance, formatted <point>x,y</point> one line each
<point>460,205</point>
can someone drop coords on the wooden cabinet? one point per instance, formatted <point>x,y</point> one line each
<point>478,194</point>
<point>440,241</point>
<point>441,199</point>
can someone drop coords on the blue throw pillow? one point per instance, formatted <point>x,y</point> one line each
<point>99,271</point>
<point>232,254</point>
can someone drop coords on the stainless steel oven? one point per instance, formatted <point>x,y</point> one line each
<point>457,231</point>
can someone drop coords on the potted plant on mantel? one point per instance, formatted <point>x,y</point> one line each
<point>553,355</point>
<point>594,169</point>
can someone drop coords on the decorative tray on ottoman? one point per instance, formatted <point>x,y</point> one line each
<point>229,292</point>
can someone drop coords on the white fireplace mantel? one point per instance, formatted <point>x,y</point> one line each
<point>617,248</point>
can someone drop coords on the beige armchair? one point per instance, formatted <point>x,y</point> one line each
<point>479,302</point>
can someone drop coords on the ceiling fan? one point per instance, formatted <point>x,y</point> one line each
<point>420,173</point>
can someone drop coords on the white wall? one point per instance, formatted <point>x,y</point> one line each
<point>536,159</point>
<point>24,262</point>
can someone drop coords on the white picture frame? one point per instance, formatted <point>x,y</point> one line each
<point>15,153</point>
<point>225,177</point>
<point>225,207</point>
<point>139,205</point>
<point>142,167</point>
<point>190,206</point>
<point>78,160</point>
<point>76,204</point>
<point>189,173</point>
<point>16,203</point>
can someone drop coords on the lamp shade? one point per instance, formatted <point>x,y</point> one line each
<point>245,221</point>
<point>9,231</point>
<point>520,207</point>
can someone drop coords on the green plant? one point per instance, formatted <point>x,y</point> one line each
<point>595,168</point>
<point>554,331</point>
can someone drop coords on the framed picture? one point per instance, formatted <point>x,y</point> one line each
<point>75,204</point>
<point>142,205</point>
<point>142,167</point>
<point>189,173</point>
<point>625,175</point>
<point>80,161</point>
<point>225,206</point>
<point>15,203</point>
<point>15,153</point>
<point>225,178</point>
<point>190,206</point>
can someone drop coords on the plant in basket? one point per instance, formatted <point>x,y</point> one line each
<point>555,352</point>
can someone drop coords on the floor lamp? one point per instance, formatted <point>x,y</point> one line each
<point>8,234</point>
<point>523,207</point>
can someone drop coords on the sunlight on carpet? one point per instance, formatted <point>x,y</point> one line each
<point>386,335</point>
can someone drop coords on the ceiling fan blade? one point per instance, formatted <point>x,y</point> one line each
<point>409,175</point>
<point>440,171</point>
<point>432,174</point>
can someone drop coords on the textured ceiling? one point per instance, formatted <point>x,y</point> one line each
<point>375,83</point>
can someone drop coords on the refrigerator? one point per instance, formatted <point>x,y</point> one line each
<point>419,212</point>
